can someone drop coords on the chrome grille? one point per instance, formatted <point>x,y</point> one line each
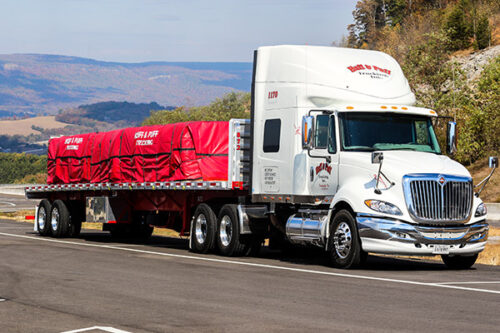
<point>438,198</point>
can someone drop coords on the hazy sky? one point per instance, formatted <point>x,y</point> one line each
<point>168,30</point>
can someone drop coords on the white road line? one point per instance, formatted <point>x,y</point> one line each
<point>8,203</point>
<point>471,282</point>
<point>101,328</point>
<point>242,263</point>
<point>2,299</point>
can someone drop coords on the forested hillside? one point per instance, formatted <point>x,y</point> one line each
<point>22,168</point>
<point>447,49</point>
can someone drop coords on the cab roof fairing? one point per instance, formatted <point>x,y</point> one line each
<point>342,74</point>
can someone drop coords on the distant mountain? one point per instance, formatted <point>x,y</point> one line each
<point>35,83</point>
<point>119,114</point>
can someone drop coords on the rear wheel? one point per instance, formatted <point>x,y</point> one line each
<point>59,219</point>
<point>459,262</point>
<point>228,233</point>
<point>344,247</point>
<point>203,229</point>
<point>42,217</point>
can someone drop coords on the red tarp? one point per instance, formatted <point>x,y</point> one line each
<point>184,151</point>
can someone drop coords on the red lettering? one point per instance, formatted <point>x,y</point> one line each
<point>272,94</point>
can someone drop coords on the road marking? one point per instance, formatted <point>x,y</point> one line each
<point>8,203</point>
<point>101,328</point>
<point>250,264</point>
<point>470,282</point>
<point>2,299</point>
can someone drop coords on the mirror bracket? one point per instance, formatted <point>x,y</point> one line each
<point>493,164</point>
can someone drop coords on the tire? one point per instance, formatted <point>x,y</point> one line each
<point>43,217</point>
<point>344,246</point>
<point>59,219</point>
<point>459,262</point>
<point>203,228</point>
<point>228,233</point>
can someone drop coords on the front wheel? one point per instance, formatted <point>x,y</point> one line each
<point>344,246</point>
<point>459,262</point>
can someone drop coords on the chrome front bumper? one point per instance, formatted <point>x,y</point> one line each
<point>383,235</point>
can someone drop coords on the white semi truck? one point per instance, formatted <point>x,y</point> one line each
<point>335,155</point>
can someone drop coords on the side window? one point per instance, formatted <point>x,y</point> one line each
<point>422,132</point>
<point>332,138</point>
<point>272,131</point>
<point>321,135</point>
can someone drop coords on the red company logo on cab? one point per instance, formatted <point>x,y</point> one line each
<point>324,166</point>
<point>361,67</point>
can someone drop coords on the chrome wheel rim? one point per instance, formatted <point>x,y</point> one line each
<point>54,220</point>
<point>342,240</point>
<point>200,228</point>
<point>226,230</point>
<point>42,217</point>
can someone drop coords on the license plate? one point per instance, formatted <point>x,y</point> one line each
<point>441,249</point>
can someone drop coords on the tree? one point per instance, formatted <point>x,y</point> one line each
<point>457,29</point>
<point>231,105</point>
<point>369,15</point>
<point>483,33</point>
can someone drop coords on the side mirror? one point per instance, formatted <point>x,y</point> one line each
<point>307,132</point>
<point>377,157</point>
<point>493,162</point>
<point>451,138</point>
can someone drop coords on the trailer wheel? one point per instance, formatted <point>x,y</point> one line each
<point>42,218</point>
<point>203,229</point>
<point>344,246</point>
<point>59,219</point>
<point>459,262</point>
<point>228,233</point>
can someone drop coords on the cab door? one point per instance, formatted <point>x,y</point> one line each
<point>324,159</point>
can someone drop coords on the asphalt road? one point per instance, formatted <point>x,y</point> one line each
<point>12,203</point>
<point>51,285</point>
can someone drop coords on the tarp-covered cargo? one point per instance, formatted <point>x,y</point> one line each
<point>183,151</point>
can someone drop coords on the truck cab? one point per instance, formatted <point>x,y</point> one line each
<point>336,135</point>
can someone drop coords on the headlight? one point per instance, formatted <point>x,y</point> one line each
<point>383,207</point>
<point>481,210</point>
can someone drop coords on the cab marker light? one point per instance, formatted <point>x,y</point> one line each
<point>383,107</point>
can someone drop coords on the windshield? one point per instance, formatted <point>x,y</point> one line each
<point>383,131</point>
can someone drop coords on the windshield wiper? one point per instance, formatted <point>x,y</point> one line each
<point>400,148</point>
<point>361,149</point>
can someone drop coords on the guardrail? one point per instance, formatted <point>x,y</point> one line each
<point>14,189</point>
